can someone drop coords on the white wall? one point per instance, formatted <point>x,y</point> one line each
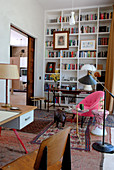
<point>28,16</point>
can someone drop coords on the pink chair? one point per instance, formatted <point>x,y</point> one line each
<point>90,102</point>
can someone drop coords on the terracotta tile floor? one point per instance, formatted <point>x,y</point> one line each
<point>81,160</point>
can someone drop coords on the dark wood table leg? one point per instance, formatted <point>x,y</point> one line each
<point>48,100</point>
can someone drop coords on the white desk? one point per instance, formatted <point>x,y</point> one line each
<point>16,119</point>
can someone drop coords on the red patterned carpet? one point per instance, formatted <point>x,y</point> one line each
<point>10,149</point>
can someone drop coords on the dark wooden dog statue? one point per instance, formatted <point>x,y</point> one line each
<point>59,116</point>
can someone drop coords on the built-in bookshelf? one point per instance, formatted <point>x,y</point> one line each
<point>92,23</point>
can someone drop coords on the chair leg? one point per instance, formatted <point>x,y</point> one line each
<point>72,117</point>
<point>82,121</point>
<point>43,162</point>
<point>66,163</point>
<point>40,104</point>
<point>0,130</point>
<point>45,103</point>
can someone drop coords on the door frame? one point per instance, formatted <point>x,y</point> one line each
<point>19,30</point>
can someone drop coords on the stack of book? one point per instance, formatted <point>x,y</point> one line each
<point>103,41</point>
<point>73,43</point>
<point>102,54</point>
<point>69,66</point>
<point>50,31</point>
<point>105,15</point>
<point>88,29</point>
<point>71,30</point>
<point>53,54</point>
<point>86,54</point>
<point>49,43</point>
<point>69,54</point>
<point>88,17</point>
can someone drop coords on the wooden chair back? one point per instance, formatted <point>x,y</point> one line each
<point>56,146</point>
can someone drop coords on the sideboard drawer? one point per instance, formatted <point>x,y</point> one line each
<point>20,122</point>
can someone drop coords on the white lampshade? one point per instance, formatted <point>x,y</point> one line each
<point>88,67</point>
<point>8,71</point>
<point>72,19</point>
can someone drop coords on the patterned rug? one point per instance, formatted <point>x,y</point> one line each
<point>82,143</point>
<point>36,126</point>
<point>110,120</point>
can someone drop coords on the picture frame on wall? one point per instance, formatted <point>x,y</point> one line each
<point>61,40</point>
<point>50,68</point>
<point>88,45</point>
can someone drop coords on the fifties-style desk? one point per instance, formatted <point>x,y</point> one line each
<point>16,119</point>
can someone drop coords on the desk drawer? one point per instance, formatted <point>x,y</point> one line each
<point>21,121</point>
<point>26,119</point>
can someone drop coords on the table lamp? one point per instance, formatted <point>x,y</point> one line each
<point>99,146</point>
<point>88,81</point>
<point>8,72</point>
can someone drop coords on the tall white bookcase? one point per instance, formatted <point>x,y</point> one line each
<point>90,22</point>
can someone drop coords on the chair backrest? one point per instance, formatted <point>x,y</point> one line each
<point>92,102</point>
<point>55,148</point>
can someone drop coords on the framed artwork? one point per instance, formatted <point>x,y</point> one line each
<point>87,44</point>
<point>61,40</point>
<point>50,68</point>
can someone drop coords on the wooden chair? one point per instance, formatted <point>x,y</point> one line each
<point>53,154</point>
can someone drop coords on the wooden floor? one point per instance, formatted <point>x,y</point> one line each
<point>18,98</point>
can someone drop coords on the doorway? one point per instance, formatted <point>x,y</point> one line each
<point>22,54</point>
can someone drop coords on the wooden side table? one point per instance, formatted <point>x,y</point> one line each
<point>98,128</point>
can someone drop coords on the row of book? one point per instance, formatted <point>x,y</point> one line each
<point>88,17</point>
<point>102,15</point>
<point>102,54</point>
<point>69,66</point>
<point>73,43</point>
<point>88,29</point>
<point>86,54</point>
<point>48,86</point>
<point>53,54</point>
<point>80,65</point>
<point>105,15</point>
<point>68,54</point>
<point>49,43</point>
<point>48,77</point>
<point>71,30</point>
<point>104,29</point>
<point>103,41</point>
<point>50,31</point>
<point>67,18</point>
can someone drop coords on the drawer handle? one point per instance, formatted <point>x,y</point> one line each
<point>27,118</point>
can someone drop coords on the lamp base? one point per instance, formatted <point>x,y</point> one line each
<point>88,87</point>
<point>106,148</point>
<point>6,105</point>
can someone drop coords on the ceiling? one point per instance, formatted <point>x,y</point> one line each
<point>60,4</point>
<point>18,39</point>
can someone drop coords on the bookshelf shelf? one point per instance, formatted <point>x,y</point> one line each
<point>88,21</point>
<point>73,34</point>
<point>88,50</point>
<point>89,33</point>
<point>100,46</point>
<point>87,58</point>
<point>103,33</point>
<point>105,20</point>
<point>69,58</point>
<point>69,62</point>
<point>53,23</point>
<point>68,70</point>
<point>52,58</point>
